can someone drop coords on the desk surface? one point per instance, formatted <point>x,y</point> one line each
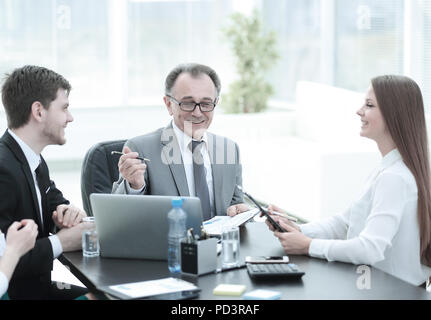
<point>322,279</point>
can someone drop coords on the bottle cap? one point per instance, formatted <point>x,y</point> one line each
<point>177,202</point>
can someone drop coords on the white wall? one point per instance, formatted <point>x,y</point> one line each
<point>328,160</point>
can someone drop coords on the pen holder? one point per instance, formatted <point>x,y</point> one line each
<point>199,257</point>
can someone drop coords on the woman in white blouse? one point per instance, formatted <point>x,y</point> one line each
<point>389,225</point>
<point>21,237</point>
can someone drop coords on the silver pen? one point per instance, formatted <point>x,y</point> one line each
<point>121,153</point>
<point>284,215</point>
<point>218,270</point>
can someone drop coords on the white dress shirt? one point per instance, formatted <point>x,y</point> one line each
<point>4,283</point>
<point>33,160</point>
<point>2,243</point>
<point>380,228</point>
<point>185,143</point>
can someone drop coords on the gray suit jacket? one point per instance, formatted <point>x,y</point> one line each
<point>165,174</point>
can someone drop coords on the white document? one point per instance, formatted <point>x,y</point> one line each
<point>214,226</point>
<point>153,287</point>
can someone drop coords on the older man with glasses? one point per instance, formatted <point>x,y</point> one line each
<point>185,159</point>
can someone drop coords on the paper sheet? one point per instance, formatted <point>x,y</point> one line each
<point>153,287</point>
<point>214,225</point>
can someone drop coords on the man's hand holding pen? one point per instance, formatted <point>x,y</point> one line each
<point>132,169</point>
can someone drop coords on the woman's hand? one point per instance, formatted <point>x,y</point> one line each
<point>21,237</point>
<point>292,241</point>
<point>272,208</point>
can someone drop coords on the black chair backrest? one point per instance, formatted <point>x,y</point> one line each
<point>99,170</point>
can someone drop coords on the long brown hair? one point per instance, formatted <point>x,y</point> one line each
<point>401,104</point>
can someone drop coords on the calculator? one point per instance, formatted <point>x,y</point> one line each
<point>274,270</point>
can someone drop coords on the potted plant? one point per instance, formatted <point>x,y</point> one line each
<point>255,53</point>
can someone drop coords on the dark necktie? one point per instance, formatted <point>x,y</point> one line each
<point>41,182</point>
<point>201,186</point>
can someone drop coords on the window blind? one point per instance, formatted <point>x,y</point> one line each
<point>368,41</point>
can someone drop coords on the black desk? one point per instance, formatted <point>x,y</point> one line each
<point>322,279</point>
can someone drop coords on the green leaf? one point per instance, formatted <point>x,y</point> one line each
<point>255,53</point>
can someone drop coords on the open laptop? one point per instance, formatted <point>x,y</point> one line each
<point>136,226</point>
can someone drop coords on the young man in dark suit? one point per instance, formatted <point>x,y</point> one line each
<point>36,103</point>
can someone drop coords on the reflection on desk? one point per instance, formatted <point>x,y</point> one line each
<point>322,279</point>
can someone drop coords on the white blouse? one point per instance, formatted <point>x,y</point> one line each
<point>380,228</point>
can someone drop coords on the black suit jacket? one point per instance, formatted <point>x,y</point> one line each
<point>18,200</point>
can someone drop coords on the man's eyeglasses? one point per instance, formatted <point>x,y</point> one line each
<point>191,106</point>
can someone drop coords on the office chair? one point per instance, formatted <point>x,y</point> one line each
<point>99,170</point>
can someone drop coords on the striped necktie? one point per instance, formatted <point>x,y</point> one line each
<point>201,186</point>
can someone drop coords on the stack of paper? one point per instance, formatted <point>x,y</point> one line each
<point>214,226</point>
<point>150,288</point>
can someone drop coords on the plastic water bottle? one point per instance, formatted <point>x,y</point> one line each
<point>177,231</point>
